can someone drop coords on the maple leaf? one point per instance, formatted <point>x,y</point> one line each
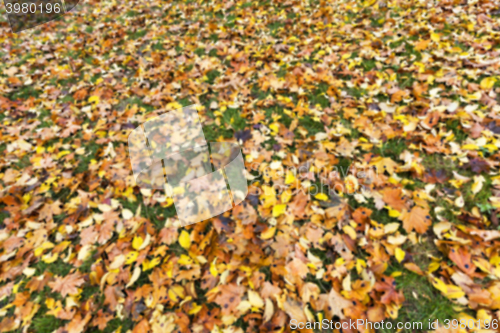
<point>384,164</point>
<point>394,198</point>
<point>478,165</point>
<point>294,310</point>
<point>334,304</point>
<point>101,320</point>
<point>67,285</point>
<point>422,45</point>
<point>229,297</point>
<point>462,258</point>
<point>417,219</point>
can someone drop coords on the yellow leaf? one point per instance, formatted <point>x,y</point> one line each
<point>131,257</point>
<point>185,240</point>
<point>185,260</point>
<point>269,196</point>
<point>213,268</point>
<point>49,259</point>
<point>137,242</point>
<point>286,196</point>
<point>93,99</point>
<point>309,314</point>
<point>475,96</point>
<point>195,309</point>
<point>400,254</point>
<point>435,37</point>
<point>454,292</point>
<point>39,250</point>
<point>439,285</point>
<point>147,265</point>
<point>268,233</point>
<point>255,299</point>
<point>396,274</point>
<point>478,184</point>
<point>269,310</point>
<point>176,293</point>
<point>394,213</point>
<point>63,153</point>
<point>434,266</point>
<point>350,231</point>
<point>290,178</point>
<point>274,127</point>
<point>135,276</point>
<point>487,83</point>
<point>278,210</point>
<point>145,243</point>
<point>50,303</point>
<point>391,227</point>
<point>470,146</point>
<point>321,196</point>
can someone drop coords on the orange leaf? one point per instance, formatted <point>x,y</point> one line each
<point>414,268</point>
<point>422,45</point>
<point>417,219</point>
<point>142,327</point>
<point>462,258</point>
<point>394,198</point>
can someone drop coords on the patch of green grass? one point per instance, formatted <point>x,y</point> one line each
<point>88,292</point>
<point>438,162</point>
<point>391,148</point>
<point>381,216</point>
<point>126,324</point>
<point>478,199</point>
<point>138,34</point>
<point>232,118</point>
<point>267,272</point>
<point>319,96</point>
<point>406,80</point>
<point>212,133</point>
<point>92,148</point>
<point>285,119</point>
<point>199,51</point>
<point>132,13</point>
<point>23,163</point>
<point>3,216</point>
<point>47,324</point>
<point>212,75</point>
<point>58,267</point>
<point>368,64</point>
<point>312,126</point>
<point>456,128</point>
<point>87,263</point>
<point>422,300</point>
<point>134,100</point>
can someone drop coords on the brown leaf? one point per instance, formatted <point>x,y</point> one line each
<point>67,285</point>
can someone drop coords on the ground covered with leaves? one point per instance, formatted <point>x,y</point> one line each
<point>317,93</point>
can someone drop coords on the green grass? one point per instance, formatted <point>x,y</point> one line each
<point>47,324</point>
<point>391,148</point>
<point>313,127</point>
<point>422,300</point>
<point>58,267</point>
